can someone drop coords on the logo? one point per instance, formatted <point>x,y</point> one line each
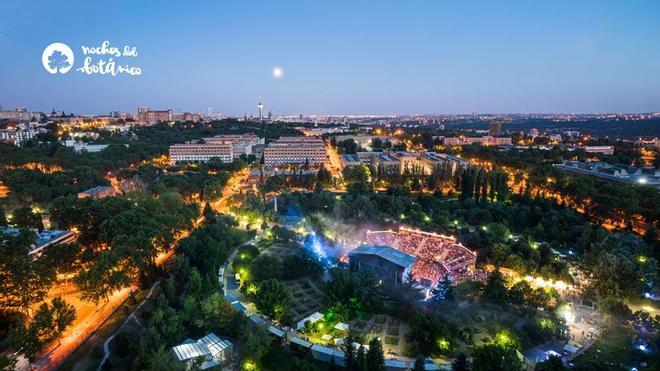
<point>102,59</point>
<point>57,58</point>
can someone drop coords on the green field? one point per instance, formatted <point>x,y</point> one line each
<point>614,351</point>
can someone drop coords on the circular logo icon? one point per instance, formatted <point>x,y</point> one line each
<point>57,58</point>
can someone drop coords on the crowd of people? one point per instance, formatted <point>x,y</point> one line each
<point>437,255</point>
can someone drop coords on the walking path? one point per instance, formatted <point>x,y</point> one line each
<point>106,344</point>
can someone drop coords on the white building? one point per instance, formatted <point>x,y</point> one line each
<point>84,147</point>
<point>210,350</point>
<point>296,150</point>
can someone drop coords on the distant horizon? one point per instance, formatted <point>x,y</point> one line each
<point>253,114</point>
<point>566,57</point>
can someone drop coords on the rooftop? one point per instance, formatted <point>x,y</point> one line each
<point>97,189</point>
<point>388,253</point>
<point>42,239</point>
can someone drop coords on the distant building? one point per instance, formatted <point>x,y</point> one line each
<point>495,129</point>
<point>432,160</point>
<point>225,147</point>
<point>210,351</point>
<point>390,265</point>
<point>43,239</point>
<point>17,136</point>
<point>97,193</point>
<point>404,162</point>
<point>555,138</point>
<point>606,150</point>
<point>452,141</point>
<point>242,144</point>
<point>384,163</point>
<point>649,176</point>
<point>84,147</point>
<point>296,150</point>
<point>484,141</point>
<point>187,116</point>
<point>366,140</point>
<point>358,158</point>
<point>315,132</point>
<point>151,117</point>
<point>350,160</point>
<point>20,114</point>
<point>201,152</point>
<point>533,132</point>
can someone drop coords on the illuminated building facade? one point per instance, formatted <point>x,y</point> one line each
<point>296,150</point>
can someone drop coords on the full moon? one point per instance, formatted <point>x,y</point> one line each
<point>277,72</point>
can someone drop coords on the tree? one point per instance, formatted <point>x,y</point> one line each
<point>162,359</point>
<point>495,291</point>
<point>26,277</point>
<point>419,363</point>
<point>616,308</point>
<point>333,365</point>
<point>430,334</point>
<point>460,363</point>
<point>7,362</point>
<point>209,214</point>
<point>63,315</point>
<point>3,217</point>
<point>101,278</point>
<point>355,291</point>
<point>264,267</point>
<point>58,61</point>
<point>520,292</point>
<point>324,177</point>
<point>24,339</point>
<point>27,218</point>
<point>132,235</point>
<point>51,321</point>
<point>375,358</point>
<point>491,357</point>
<point>257,342</point>
<point>64,257</point>
<point>349,353</point>
<point>361,359</point>
<point>272,298</point>
<point>553,363</point>
<point>359,173</point>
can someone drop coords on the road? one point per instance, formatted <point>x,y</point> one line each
<point>232,188</point>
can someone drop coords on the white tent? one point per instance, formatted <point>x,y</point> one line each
<point>312,318</point>
<point>341,326</point>
<point>210,348</point>
<point>396,364</point>
<point>275,331</point>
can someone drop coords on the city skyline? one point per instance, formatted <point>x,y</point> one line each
<point>348,59</point>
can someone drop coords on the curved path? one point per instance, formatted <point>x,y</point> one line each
<point>106,343</point>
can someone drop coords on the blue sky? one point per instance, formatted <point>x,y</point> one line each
<point>341,57</point>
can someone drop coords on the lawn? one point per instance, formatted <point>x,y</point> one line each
<point>613,351</point>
